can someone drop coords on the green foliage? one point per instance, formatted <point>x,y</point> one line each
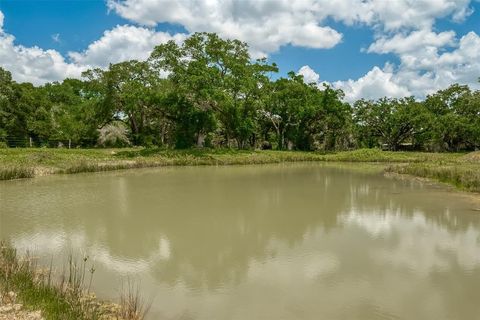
<point>209,92</point>
<point>456,124</point>
<point>390,122</point>
<point>213,80</point>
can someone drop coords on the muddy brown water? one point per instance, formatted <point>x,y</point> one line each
<point>284,241</point>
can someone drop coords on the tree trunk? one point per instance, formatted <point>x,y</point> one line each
<point>280,139</point>
<point>289,145</point>
<point>134,128</point>
<point>200,140</point>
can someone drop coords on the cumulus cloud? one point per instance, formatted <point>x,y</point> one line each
<point>429,60</point>
<point>309,75</point>
<point>269,24</point>
<point>419,39</point>
<point>122,43</point>
<point>265,25</point>
<point>33,64</point>
<point>422,70</point>
<point>38,66</point>
<point>375,84</point>
<point>419,14</point>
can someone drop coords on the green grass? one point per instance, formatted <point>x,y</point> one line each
<point>52,161</point>
<point>462,176</point>
<point>461,170</point>
<point>35,289</point>
<point>376,155</point>
<point>455,168</point>
<point>16,172</point>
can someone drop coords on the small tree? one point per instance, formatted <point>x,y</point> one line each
<point>113,135</point>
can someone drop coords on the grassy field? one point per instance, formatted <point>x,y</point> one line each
<point>459,169</point>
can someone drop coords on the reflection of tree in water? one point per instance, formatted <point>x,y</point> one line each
<point>216,221</point>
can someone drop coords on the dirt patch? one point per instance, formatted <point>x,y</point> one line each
<point>10,309</point>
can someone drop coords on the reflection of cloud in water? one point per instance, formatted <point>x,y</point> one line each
<point>375,224</point>
<point>132,266</point>
<point>55,243</point>
<point>48,243</point>
<point>420,245</point>
<point>321,272</point>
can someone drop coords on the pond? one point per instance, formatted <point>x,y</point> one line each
<point>284,241</point>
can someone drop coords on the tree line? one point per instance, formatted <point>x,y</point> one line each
<point>209,92</point>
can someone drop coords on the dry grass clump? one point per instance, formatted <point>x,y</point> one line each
<point>16,172</point>
<point>472,157</point>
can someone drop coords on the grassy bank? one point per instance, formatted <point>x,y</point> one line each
<point>463,176</point>
<point>67,296</point>
<point>458,169</point>
<point>462,171</point>
<point>23,163</point>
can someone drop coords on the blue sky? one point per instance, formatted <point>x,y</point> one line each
<point>330,42</point>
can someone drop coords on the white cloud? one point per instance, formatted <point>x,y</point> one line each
<point>422,69</point>
<point>265,25</point>
<point>38,66</point>
<point>416,14</point>
<point>122,43</point>
<point>375,84</point>
<point>269,24</point>
<point>33,64</point>
<point>402,27</point>
<point>414,41</point>
<point>393,15</point>
<point>309,75</point>
<point>428,69</point>
<point>428,60</point>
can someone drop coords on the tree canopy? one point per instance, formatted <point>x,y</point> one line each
<point>209,92</point>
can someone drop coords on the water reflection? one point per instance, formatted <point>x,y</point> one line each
<point>302,241</point>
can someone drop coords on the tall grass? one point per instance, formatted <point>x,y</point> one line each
<point>132,305</point>
<point>64,296</point>
<point>463,177</point>
<point>16,172</point>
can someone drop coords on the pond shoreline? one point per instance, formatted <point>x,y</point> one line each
<point>457,169</point>
<point>279,221</point>
<point>35,292</point>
